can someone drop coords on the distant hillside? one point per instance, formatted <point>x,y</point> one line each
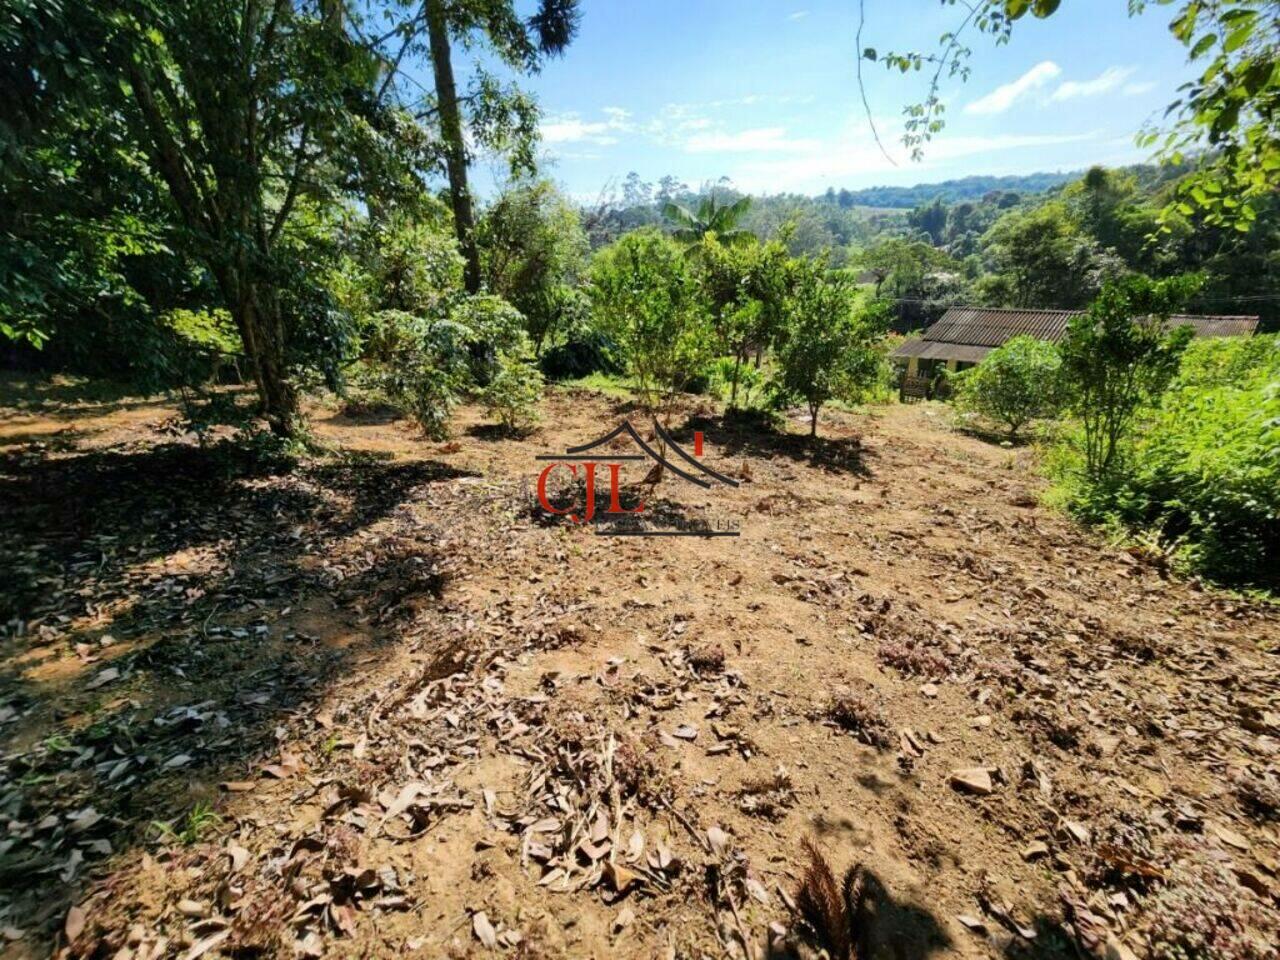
<point>951,191</point>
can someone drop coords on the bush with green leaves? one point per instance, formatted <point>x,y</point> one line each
<point>831,348</point>
<point>1118,356</point>
<point>731,378</point>
<point>646,299</point>
<point>584,353</point>
<point>744,285</point>
<point>495,329</point>
<point>1204,471</point>
<point>1016,383</point>
<point>514,391</point>
<point>423,367</point>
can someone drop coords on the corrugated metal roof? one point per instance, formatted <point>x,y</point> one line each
<point>1207,326</point>
<point>992,326</point>
<point>936,350</point>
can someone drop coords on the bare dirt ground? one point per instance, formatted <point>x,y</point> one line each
<point>380,705</point>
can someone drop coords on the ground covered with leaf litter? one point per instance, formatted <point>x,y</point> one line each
<point>376,703</point>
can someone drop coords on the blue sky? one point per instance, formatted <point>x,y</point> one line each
<point>764,92</point>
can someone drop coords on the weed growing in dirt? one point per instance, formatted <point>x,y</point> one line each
<point>862,717</point>
<point>1204,914</point>
<point>192,828</point>
<point>768,797</point>
<point>637,772</point>
<point>830,909</point>
<point>914,658</point>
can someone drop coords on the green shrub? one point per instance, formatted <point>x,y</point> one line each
<point>512,395</point>
<point>423,366</point>
<point>1117,357</point>
<point>831,349</point>
<point>645,298</point>
<point>583,354</point>
<point>1205,469</point>
<point>749,379</point>
<point>1013,385</point>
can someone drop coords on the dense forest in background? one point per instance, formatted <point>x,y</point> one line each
<point>1043,240</point>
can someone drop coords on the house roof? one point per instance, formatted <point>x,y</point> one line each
<point>968,334</point>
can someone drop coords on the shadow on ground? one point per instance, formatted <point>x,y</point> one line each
<point>162,609</point>
<point>755,436</point>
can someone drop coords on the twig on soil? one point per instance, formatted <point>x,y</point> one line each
<point>701,840</point>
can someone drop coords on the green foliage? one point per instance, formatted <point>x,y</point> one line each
<point>584,353</point>
<point>744,287</point>
<point>647,300</point>
<point>424,367</point>
<point>1048,260</point>
<point>1014,384</point>
<point>1205,469</point>
<point>512,395</point>
<point>1117,356</point>
<point>830,348</point>
<point>211,330</point>
<point>190,829</point>
<point>494,329</point>
<point>533,250</point>
<point>730,377</point>
<point>1226,117</point>
<point>1202,474</point>
<point>711,217</point>
<point>413,265</point>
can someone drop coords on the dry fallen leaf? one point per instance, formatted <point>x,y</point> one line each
<point>975,780</point>
<point>483,930</point>
<point>201,947</point>
<point>73,926</point>
<point>626,916</point>
<point>1229,836</point>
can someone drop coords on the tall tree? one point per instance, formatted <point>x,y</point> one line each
<point>232,105</point>
<point>522,45</point>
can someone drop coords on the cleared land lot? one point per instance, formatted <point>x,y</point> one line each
<point>395,696</point>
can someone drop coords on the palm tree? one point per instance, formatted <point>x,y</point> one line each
<point>711,217</point>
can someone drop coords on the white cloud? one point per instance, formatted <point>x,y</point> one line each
<point>1104,82</point>
<point>798,15</point>
<point>758,140</point>
<point>571,128</point>
<point>1139,88</point>
<point>854,155</point>
<point>1003,97</point>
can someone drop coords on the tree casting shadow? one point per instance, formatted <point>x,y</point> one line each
<point>199,584</point>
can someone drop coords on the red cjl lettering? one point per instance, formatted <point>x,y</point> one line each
<point>615,504</point>
<point>573,469</point>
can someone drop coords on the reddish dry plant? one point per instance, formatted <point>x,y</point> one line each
<point>1202,913</point>
<point>707,660</point>
<point>636,771</point>
<point>831,910</point>
<point>914,658</point>
<point>862,717</point>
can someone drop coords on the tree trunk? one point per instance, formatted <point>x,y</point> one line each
<point>261,327</point>
<point>733,392</point>
<point>455,150</point>
<point>813,421</point>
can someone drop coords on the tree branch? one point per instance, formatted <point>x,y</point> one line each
<point>300,162</point>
